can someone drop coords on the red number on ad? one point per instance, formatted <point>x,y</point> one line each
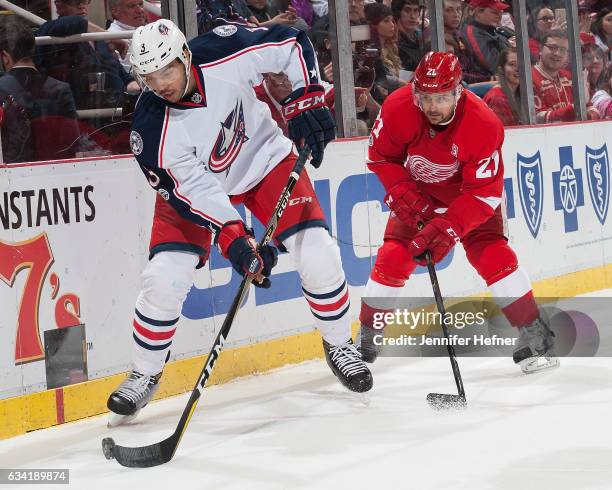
<point>36,255</point>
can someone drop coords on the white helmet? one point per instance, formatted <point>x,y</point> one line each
<point>156,45</point>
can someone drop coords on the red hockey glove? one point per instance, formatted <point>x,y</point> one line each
<point>238,244</point>
<point>408,204</point>
<point>438,236</point>
<point>309,119</point>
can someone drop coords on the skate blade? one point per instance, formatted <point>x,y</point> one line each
<point>116,419</point>
<point>540,363</point>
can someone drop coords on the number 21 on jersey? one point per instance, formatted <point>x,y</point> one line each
<point>488,167</point>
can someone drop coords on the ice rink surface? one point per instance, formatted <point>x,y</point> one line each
<point>297,428</point>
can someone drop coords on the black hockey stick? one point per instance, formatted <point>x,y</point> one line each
<point>441,401</point>
<point>162,452</point>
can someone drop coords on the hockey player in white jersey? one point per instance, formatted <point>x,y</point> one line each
<point>204,141</point>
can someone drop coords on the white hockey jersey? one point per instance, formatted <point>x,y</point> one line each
<point>222,140</point>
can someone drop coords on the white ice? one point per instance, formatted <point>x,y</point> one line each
<point>297,428</point>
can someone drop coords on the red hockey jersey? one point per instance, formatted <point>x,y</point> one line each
<point>553,98</point>
<point>459,166</point>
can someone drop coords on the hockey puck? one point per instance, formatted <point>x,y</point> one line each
<point>107,447</point>
<point>440,401</point>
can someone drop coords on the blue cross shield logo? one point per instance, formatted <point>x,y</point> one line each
<point>598,177</point>
<point>531,190</point>
<point>567,188</point>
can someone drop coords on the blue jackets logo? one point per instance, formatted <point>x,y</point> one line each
<point>567,189</point>
<point>598,177</point>
<point>531,190</point>
<point>229,141</point>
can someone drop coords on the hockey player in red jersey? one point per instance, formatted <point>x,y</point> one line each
<point>437,151</point>
<point>204,142</point>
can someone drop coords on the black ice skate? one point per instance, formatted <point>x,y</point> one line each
<point>535,348</point>
<point>131,395</point>
<point>345,362</point>
<point>365,343</point>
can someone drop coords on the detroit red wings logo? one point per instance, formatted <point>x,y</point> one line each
<point>229,141</point>
<point>430,172</point>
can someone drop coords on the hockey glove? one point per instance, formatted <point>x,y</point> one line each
<point>309,120</point>
<point>238,244</point>
<point>437,237</point>
<point>408,204</point>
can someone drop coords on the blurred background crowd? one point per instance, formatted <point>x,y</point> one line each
<point>75,99</point>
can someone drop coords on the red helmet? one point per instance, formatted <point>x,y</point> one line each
<point>437,72</point>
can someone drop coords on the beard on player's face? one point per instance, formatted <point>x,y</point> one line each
<point>168,82</point>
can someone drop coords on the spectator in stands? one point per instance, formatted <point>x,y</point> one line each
<point>453,14</point>
<point>383,35</point>
<point>602,100</point>
<point>483,37</point>
<point>552,84</point>
<point>266,14</point>
<point>593,65</point>
<point>539,22</point>
<point>27,95</point>
<point>411,47</point>
<point>127,16</point>
<point>356,12</point>
<point>505,97</point>
<point>602,28</point>
<point>73,63</point>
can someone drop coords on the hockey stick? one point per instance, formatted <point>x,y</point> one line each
<point>441,401</point>
<point>162,452</point>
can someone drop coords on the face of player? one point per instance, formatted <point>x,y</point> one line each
<point>545,20</point>
<point>130,12</point>
<point>488,16</point>
<point>554,54</point>
<point>511,70</point>
<point>168,82</point>
<point>386,28</point>
<point>409,18</point>
<point>438,108</point>
<point>72,7</point>
<point>452,14</point>
<point>356,12</point>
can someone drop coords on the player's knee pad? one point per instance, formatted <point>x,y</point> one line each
<point>167,279</point>
<point>393,264</point>
<point>316,257</point>
<point>492,259</point>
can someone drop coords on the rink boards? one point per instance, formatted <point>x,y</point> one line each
<point>74,235</point>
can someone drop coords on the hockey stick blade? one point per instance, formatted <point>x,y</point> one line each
<point>442,401</point>
<point>140,457</point>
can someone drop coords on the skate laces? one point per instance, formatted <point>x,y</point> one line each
<point>346,357</point>
<point>135,387</point>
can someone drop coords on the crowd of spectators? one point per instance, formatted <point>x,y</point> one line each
<point>48,90</point>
